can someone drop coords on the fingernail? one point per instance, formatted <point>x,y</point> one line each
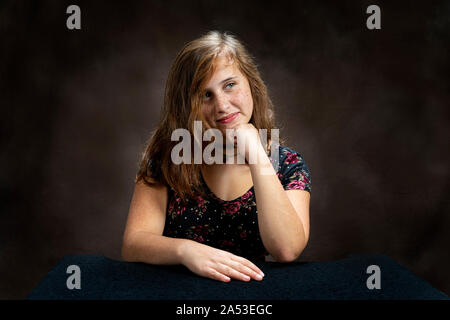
<point>259,277</point>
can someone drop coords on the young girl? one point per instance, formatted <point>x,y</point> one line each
<point>217,218</point>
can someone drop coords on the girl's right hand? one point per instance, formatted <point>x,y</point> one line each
<point>217,264</point>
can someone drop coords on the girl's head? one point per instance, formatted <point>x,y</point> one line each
<point>212,77</point>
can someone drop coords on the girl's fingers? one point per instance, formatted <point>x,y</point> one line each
<point>248,264</point>
<point>231,272</point>
<point>214,274</point>
<point>245,270</point>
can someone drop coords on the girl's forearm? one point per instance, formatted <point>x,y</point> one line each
<point>280,226</point>
<point>153,249</point>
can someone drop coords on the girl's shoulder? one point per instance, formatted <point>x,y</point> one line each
<point>291,169</point>
<point>286,157</point>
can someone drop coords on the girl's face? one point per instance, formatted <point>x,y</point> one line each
<point>227,98</point>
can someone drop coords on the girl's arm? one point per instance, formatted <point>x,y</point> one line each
<point>143,242</point>
<point>283,215</point>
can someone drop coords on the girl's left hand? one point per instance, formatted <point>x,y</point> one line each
<point>250,136</point>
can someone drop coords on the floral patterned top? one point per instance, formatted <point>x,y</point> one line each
<point>231,225</point>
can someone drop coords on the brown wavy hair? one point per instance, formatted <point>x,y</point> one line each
<point>189,73</point>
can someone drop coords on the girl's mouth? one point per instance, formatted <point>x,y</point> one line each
<point>228,118</point>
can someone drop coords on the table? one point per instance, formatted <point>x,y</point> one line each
<point>106,279</point>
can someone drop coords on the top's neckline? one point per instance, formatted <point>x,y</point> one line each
<point>216,197</point>
<point>221,200</point>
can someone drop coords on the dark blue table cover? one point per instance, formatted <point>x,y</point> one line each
<point>103,278</point>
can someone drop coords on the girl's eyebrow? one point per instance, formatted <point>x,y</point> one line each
<point>227,79</point>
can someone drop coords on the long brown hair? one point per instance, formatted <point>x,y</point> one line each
<point>190,71</point>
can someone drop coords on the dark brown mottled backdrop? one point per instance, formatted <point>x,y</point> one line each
<point>368,110</point>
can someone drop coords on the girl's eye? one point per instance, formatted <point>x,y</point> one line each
<point>231,84</point>
<point>208,94</point>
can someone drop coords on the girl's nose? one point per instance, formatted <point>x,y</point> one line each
<point>222,104</point>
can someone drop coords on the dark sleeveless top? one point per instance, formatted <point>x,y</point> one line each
<point>231,225</point>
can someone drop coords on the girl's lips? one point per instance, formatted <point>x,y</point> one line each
<point>229,119</point>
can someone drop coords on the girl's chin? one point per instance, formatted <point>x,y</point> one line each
<point>230,145</point>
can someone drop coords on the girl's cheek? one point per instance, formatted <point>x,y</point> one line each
<point>240,95</point>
